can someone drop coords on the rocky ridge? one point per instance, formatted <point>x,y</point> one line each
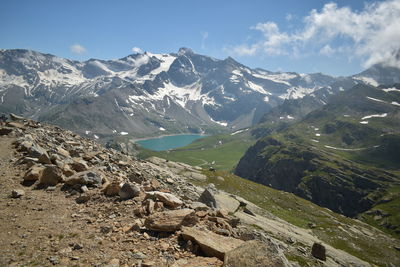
<point>69,201</point>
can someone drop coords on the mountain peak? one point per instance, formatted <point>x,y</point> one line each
<point>185,51</point>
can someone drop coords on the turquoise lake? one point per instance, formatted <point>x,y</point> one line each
<point>169,142</point>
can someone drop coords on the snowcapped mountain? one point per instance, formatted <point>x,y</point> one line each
<point>148,93</point>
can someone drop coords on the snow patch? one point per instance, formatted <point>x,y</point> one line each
<point>367,80</point>
<point>239,131</point>
<point>124,133</point>
<point>374,116</point>
<point>395,103</point>
<point>161,129</point>
<point>364,122</point>
<point>375,99</point>
<point>391,90</point>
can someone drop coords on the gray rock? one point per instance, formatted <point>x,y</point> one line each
<point>129,190</point>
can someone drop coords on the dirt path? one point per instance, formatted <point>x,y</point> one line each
<point>46,228</point>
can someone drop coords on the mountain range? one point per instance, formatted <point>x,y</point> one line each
<point>152,94</point>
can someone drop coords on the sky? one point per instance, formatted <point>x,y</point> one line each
<point>332,37</point>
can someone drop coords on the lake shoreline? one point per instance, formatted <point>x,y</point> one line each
<point>134,140</point>
<point>167,142</point>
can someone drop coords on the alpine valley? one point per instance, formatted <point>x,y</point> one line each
<point>333,141</point>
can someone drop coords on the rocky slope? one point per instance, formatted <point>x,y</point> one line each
<point>144,94</point>
<point>342,156</point>
<point>67,200</point>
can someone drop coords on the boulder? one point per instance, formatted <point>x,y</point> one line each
<point>170,221</point>
<point>128,191</point>
<point>219,200</point>
<point>256,254</point>
<point>318,251</point>
<point>168,199</point>
<point>211,244</point>
<point>34,173</point>
<point>51,176</point>
<point>198,262</point>
<point>89,178</point>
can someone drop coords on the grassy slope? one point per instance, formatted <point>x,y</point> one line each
<point>224,150</point>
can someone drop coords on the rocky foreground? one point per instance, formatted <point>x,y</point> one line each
<point>67,201</point>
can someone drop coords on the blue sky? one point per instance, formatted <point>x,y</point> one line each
<point>274,35</point>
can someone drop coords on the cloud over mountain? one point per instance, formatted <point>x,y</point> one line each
<point>371,34</point>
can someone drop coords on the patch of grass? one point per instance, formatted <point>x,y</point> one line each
<point>222,152</point>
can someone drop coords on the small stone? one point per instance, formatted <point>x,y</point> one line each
<point>79,165</point>
<point>114,263</point>
<point>139,256</point>
<point>77,246</point>
<point>54,260</point>
<point>146,235</point>
<point>17,193</point>
<point>82,198</point>
<point>170,181</point>
<point>84,189</point>
<point>148,264</point>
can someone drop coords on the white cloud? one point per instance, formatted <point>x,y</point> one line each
<point>289,17</point>
<point>327,50</point>
<point>204,36</point>
<point>371,35</point>
<point>77,49</point>
<point>137,50</point>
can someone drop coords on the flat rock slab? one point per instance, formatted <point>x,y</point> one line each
<point>198,262</point>
<point>212,245</point>
<point>170,221</point>
<point>256,254</point>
